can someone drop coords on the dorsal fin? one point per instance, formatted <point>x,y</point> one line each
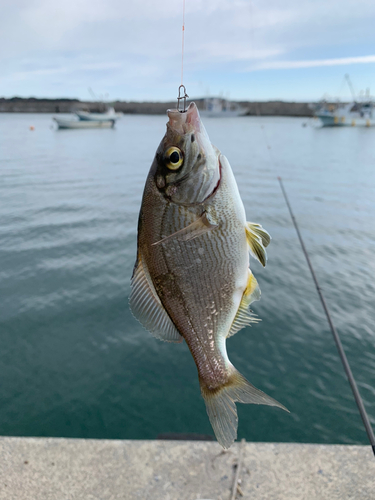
<point>244,316</point>
<point>147,307</point>
<point>257,239</point>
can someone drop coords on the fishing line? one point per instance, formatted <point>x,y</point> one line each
<point>236,483</point>
<point>182,95</point>
<point>183,42</point>
<point>348,371</point>
<point>340,349</point>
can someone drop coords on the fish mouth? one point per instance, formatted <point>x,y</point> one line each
<point>185,122</point>
<point>185,128</point>
<point>189,122</point>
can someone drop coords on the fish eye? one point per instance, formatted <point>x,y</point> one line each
<point>174,158</point>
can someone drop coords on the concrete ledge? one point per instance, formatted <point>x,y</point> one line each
<point>75,469</point>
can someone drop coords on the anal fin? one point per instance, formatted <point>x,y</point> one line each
<point>244,316</point>
<point>147,307</point>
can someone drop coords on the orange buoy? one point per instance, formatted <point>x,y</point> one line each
<point>32,127</point>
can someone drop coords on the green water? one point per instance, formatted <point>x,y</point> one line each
<point>73,360</point>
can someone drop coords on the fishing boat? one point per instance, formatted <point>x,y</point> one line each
<point>354,114</point>
<point>358,113</point>
<point>109,114</point>
<point>73,123</point>
<point>216,107</point>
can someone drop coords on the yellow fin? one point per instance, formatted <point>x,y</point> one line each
<point>259,231</point>
<point>193,230</point>
<point>244,316</point>
<point>257,239</point>
<point>147,307</point>
<point>221,404</point>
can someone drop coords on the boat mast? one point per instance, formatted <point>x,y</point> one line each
<point>350,86</point>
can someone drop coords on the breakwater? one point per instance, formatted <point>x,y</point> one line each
<point>35,105</point>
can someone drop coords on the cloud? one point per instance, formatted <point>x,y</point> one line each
<point>314,63</point>
<point>131,45</point>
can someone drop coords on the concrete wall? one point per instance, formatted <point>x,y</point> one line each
<point>279,108</point>
<point>19,105</point>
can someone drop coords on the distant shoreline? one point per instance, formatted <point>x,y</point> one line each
<point>63,105</point>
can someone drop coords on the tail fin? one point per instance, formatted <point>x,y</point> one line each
<point>221,408</point>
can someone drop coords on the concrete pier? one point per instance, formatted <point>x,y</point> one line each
<point>75,469</point>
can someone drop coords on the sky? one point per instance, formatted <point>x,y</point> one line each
<point>293,50</point>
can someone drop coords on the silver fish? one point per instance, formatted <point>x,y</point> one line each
<point>192,278</point>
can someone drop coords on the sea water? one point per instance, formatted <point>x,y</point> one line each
<point>73,360</point>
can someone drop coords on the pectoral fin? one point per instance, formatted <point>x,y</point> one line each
<point>244,316</point>
<point>147,307</point>
<point>257,239</point>
<point>202,225</point>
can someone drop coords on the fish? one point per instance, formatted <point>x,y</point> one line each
<point>192,280</point>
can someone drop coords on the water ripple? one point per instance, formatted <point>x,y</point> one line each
<point>75,362</point>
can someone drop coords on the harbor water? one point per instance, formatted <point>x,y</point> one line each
<point>73,360</point>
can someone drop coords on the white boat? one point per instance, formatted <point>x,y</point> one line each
<point>354,114</point>
<point>218,107</point>
<point>110,114</point>
<point>64,123</point>
<point>358,113</point>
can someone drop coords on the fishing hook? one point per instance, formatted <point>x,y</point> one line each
<point>180,97</point>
